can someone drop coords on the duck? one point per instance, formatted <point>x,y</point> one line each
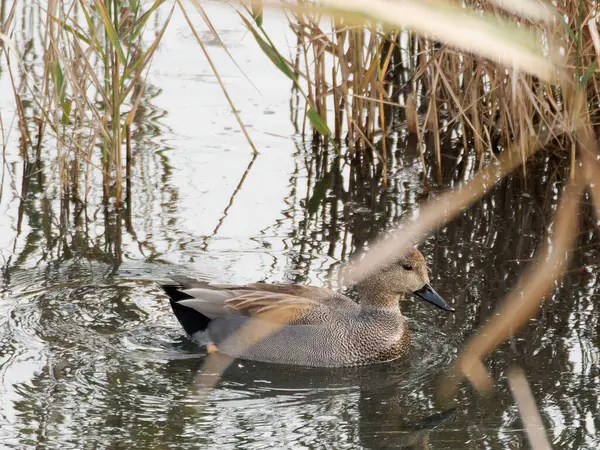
<point>307,325</point>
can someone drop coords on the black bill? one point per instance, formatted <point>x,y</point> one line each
<point>428,294</point>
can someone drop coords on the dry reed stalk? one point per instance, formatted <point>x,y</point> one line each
<point>532,9</point>
<point>528,410</point>
<point>524,300</point>
<point>493,105</point>
<point>412,121</point>
<point>216,74</point>
<point>590,151</point>
<point>23,123</point>
<point>3,142</point>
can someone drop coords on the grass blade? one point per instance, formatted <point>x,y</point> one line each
<point>216,35</point>
<point>588,73</point>
<point>318,123</point>
<point>141,22</point>
<point>530,415</point>
<point>531,9</point>
<point>144,59</point>
<point>280,62</point>
<point>218,77</point>
<point>71,30</point>
<point>110,30</point>
<point>271,53</point>
<point>566,26</point>
<point>257,13</point>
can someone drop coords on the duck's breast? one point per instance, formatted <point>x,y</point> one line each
<point>381,336</point>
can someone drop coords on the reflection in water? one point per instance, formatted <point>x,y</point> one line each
<point>110,366</point>
<point>89,351</point>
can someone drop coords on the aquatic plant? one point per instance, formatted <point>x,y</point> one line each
<point>85,98</point>
<point>484,73</point>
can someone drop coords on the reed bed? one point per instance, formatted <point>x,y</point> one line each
<point>364,85</point>
<point>373,83</point>
<point>84,99</point>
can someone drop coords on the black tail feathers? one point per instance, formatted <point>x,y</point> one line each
<point>191,320</point>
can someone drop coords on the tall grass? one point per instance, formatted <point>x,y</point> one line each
<point>78,71</point>
<point>89,90</point>
<point>374,83</point>
<point>370,81</point>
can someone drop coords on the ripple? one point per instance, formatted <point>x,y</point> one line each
<point>103,359</point>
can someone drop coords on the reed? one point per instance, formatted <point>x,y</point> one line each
<point>88,91</point>
<point>375,84</point>
<point>368,80</point>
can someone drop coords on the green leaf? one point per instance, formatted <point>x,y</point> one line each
<point>257,13</point>
<point>318,123</point>
<point>313,116</point>
<point>141,22</point>
<point>71,30</point>
<point>567,27</point>
<point>91,30</point>
<point>588,73</point>
<point>272,53</point>
<point>319,193</point>
<point>110,30</point>
<point>134,5</point>
<point>59,81</point>
<point>139,64</point>
<point>66,106</point>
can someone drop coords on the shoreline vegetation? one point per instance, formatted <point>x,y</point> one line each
<point>359,85</point>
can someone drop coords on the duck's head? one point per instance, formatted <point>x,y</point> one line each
<point>408,274</point>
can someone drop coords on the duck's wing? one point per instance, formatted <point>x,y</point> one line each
<point>324,296</point>
<point>280,303</point>
<point>319,294</point>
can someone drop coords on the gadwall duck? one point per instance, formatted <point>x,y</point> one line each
<point>319,327</point>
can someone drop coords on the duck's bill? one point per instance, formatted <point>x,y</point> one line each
<point>428,294</point>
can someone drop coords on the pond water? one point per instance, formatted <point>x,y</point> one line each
<point>91,356</point>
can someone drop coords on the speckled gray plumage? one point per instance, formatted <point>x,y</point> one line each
<point>343,338</point>
<point>319,327</point>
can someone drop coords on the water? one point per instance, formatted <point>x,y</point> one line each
<point>91,356</point>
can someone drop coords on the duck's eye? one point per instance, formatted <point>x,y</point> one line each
<point>407,267</point>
